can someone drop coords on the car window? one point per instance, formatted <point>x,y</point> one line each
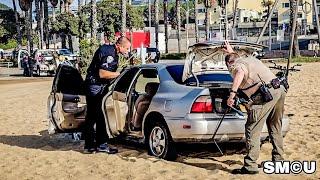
<point>125,80</point>
<point>146,76</point>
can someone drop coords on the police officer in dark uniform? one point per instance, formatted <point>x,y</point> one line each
<point>99,74</point>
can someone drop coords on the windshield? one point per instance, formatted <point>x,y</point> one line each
<point>64,52</point>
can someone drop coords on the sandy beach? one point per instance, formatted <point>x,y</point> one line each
<point>28,152</point>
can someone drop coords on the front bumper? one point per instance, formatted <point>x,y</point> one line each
<point>201,128</point>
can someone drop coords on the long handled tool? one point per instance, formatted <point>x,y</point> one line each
<point>219,124</point>
<point>217,128</point>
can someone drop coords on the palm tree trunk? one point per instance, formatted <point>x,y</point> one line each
<point>80,2</point>
<point>54,36</point>
<point>93,19</point>
<point>38,19</point>
<point>293,21</point>
<point>17,24</point>
<point>70,42</point>
<point>316,12</point>
<point>196,20</point>
<point>29,29</point>
<point>123,17</point>
<point>46,23</point>
<point>41,23</point>
<point>235,19</point>
<point>156,7</point>
<point>178,24</point>
<point>165,11</point>
<point>207,20</point>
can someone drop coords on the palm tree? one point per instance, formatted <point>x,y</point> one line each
<point>207,19</point>
<point>123,16</point>
<point>235,23</point>
<point>26,5</point>
<point>156,18</point>
<point>267,4</point>
<point>178,24</point>
<point>316,12</point>
<point>196,20</point>
<point>17,23</point>
<point>165,11</point>
<point>93,18</point>
<point>54,5</point>
<point>293,4</point>
<point>46,23</point>
<point>38,19</point>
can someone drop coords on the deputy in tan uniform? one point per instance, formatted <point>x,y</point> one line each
<point>248,74</point>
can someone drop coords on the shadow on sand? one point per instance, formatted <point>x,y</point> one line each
<point>130,151</point>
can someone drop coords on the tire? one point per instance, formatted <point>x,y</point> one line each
<point>159,142</point>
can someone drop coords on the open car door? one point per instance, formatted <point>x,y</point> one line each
<point>116,103</point>
<point>66,102</point>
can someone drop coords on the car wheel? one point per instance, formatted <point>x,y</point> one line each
<point>160,143</point>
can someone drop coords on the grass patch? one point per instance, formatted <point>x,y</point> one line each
<point>296,60</point>
<point>306,59</point>
<point>173,56</point>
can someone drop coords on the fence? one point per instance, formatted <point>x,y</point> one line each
<point>6,64</point>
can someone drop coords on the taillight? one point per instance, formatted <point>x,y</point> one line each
<point>203,104</point>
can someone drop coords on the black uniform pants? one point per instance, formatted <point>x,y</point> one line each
<point>94,117</point>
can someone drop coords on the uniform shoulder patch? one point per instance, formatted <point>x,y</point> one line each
<point>110,59</point>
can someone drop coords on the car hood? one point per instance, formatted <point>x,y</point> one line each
<point>203,58</point>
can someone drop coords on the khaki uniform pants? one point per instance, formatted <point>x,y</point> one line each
<point>270,113</point>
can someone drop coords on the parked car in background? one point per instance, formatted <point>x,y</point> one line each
<point>65,54</point>
<point>159,104</point>
<point>44,62</point>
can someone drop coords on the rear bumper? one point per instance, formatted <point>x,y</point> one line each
<point>202,128</point>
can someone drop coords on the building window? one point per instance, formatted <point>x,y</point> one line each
<point>299,15</point>
<point>285,5</point>
<point>214,10</point>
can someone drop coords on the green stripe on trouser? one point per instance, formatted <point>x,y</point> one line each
<point>270,113</point>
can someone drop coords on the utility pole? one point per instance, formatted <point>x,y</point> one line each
<point>123,17</point>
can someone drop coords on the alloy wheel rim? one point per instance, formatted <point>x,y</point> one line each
<point>157,141</point>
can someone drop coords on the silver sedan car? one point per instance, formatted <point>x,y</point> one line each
<point>159,104</point>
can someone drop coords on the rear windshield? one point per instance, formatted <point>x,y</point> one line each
<point>176,72</point>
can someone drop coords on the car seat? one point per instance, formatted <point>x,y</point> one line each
<point>143,102</point>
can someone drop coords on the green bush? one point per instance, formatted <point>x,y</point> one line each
<point>12,43</point>
<point>87,50</point>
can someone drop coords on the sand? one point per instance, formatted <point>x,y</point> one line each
<point>28,152</point>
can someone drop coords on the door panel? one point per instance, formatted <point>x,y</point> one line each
<point>68,102</point>
<point>116,105</point>
<point>117,112</point>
